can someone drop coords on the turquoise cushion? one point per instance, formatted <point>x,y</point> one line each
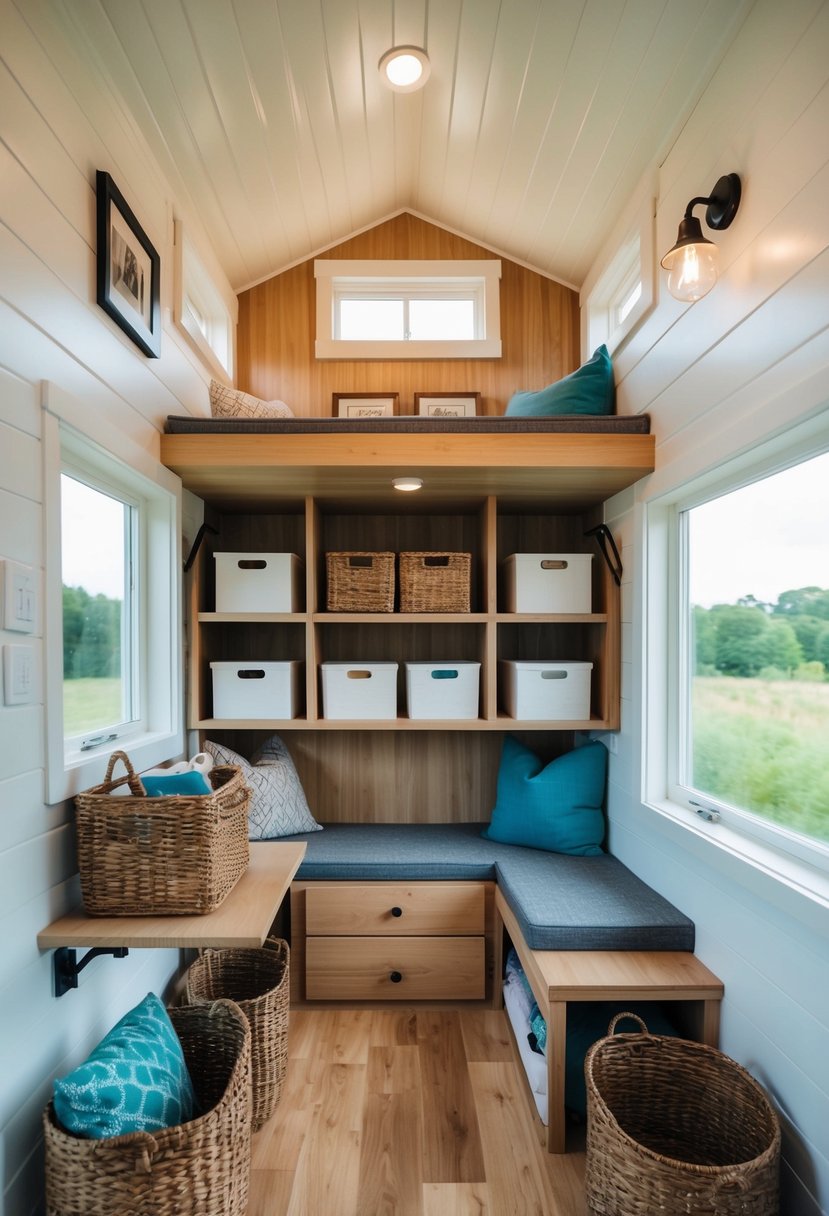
<point>557,806</point>
<point>135,1080</point>
<point>162,785</point>
<point>589,390</point>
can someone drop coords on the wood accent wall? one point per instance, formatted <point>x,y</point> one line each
<point>277,322</point>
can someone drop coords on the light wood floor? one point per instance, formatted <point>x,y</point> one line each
<point>408,1113</point>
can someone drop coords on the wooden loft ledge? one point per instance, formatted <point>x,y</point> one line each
<point>258,471</point>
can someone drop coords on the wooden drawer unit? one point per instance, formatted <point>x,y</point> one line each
<point>394,969</point>
<point>392,941</point>
<point>401,909</point>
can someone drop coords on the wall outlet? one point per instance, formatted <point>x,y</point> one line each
<point>19,677</point>
<point>19,597</point>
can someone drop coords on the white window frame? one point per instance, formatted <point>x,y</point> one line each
<point>628,259</point>
<point>435,278</point>
<point>796,865</point>
<point>133,474</point>
<point>201,311</point>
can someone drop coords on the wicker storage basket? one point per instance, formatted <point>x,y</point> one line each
<point>200,1168</point>
<point>169,856</point>
<point>676,1127</point>
<point>434,582</point>
<point>259,983</point>
<point>360,582</point>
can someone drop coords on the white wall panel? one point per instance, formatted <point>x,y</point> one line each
<point>746,363</point>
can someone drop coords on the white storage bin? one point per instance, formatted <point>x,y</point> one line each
<point>545,690</point>
<point>359,690</point>
<point>443,690</point>
<point>255,690</point>
<point>548,582</point>
<point>257,582</point>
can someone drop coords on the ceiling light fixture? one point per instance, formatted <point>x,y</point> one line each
<point>692,263</point>
<point>405,68</point>
<point>407,483</point>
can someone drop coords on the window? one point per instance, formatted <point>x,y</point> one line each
<point>408,310</point>
<point>113,613</point>
<point>752,687</point>
<point>618,293</point>
<point>101,648</point>
<point>202,313</point>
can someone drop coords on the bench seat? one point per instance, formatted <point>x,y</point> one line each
<point>560,902</point>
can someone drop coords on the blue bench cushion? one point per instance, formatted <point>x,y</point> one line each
<point>407,851</point>
<point>560,902</point>
<point>587,903</point>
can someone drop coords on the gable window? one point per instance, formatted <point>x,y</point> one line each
<point>751,708</point>
<point>619,293</point>
<point>408,310</point>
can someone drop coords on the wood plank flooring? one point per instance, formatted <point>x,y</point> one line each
<point>408,1112</point>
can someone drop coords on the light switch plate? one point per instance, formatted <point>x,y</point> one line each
<point>19,676</point>
<point>19,597</point>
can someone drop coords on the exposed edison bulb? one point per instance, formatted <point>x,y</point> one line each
<point>692,270</point>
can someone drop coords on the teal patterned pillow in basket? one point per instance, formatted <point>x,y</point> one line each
<point>135,1080</point>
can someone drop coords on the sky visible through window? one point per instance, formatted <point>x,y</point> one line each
<point>766,538</point>
<point>92,540</point>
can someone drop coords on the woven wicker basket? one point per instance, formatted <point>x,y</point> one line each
<point>200,1168</point>
<point>258,980</point>
<point>676,1127</point>
<point>169,856</point>
<point>360,582</point>
<point>434,582</point>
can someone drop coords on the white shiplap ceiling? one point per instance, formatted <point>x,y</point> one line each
<point>539,120</point>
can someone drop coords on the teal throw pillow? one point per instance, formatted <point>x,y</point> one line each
<point>589,390</point>
<point>135,1080</point>
<point>557,807</point>
<point>161,785</point>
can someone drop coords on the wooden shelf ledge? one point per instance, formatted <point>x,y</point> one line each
<point>243,919</point>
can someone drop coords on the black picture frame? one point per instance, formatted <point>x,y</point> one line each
<point>129,269</point>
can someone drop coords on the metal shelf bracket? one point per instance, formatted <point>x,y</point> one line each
<point>67,968</point>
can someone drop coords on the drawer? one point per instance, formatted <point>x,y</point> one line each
<point>398,969</point>
<point>407,909</point>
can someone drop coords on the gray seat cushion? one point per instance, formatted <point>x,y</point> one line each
<point>560,902</point>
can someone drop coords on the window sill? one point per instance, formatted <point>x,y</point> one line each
<point>83,770</point>
<point>792,885</point>
<point>475,348</point>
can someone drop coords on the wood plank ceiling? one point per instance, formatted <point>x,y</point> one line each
<point>538,122</point>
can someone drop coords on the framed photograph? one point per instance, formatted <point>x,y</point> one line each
<point>129,269</point>
<point>365,405</point>
<point>447,405</point>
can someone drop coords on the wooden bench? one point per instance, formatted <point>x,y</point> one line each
<point>560,976</point>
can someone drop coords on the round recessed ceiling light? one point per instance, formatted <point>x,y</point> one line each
<point>407,483</point>
<point>405,68</point>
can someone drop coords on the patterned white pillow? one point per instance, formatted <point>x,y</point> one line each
<point>278,806</point>
<point>231,403</point>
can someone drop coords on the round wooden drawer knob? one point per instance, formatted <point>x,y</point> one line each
<point>395,977</point>
<point>397,911</point>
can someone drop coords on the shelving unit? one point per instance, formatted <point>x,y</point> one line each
<point>487,494</point>
<point>485,634</point>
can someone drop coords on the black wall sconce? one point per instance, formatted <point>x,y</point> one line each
<point>692,263</point>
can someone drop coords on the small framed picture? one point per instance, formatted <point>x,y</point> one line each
<point>129,269</point>
<point>365,405</point>
<point>447,405</point>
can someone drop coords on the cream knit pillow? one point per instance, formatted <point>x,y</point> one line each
<point>231,403</point>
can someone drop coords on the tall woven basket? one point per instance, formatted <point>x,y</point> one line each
<point>200,1168</point>
<point>677,1128</point>
<point>258,980</point>
<point>170,856</point>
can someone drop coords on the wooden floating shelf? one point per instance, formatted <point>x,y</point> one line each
<point>423,724</point>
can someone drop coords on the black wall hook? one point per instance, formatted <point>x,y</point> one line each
<point>604,537</point>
